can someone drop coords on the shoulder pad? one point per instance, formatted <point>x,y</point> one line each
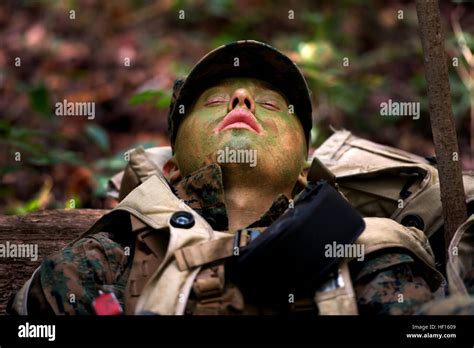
<point>382,233</point>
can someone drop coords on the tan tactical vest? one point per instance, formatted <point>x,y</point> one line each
<point>387,182</point>
<point>183,262</point>
<point>182,253</point>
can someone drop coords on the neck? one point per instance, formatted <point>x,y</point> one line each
<point>246,201</point>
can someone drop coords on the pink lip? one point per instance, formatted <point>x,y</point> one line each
<point>239,118</point>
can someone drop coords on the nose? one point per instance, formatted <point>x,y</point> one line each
<point>241,98</point>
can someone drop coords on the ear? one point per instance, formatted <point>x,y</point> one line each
<point>302,178</point>
<point>171,171</point>
<point>301,182</point>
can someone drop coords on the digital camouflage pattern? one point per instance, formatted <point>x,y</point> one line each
<point>70,279</point>
<point>400,289</point>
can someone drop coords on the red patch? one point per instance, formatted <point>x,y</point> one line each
<point>107,304</point>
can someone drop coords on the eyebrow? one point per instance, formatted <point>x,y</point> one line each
<point>275,93</point>
<point>207,93</point>
<point>268,88</point>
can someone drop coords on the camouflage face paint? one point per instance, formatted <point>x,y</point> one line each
<point>279,144</point>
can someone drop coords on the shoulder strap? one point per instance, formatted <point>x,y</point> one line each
<point>337,296</point>
<point>149,252</point>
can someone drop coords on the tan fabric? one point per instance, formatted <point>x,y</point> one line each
<point>213,295</point>
<point>203,253</point>
<point>334,151</point>
<point>149,252</point>
<point>142,165</point>
<point>381,233</point>
<point>20,304</point>
<point>166,291</point>
<point>372,176</point>
<point>341,300</point>
<point>461,257</point>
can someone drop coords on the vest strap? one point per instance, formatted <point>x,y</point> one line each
<point>340,298</point>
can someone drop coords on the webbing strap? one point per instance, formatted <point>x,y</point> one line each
<point>200,254</point>
<point>209,287</point>
<point>209,284</point>
<point>339,300</point>
<point>210,251</point>
<point>147,257</point>
<point>213,295</point>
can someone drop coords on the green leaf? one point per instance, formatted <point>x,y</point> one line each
<point>39,99</point>
<point>55,156</point>
<point>11,168</point>
<point>101,188</point>
<point>161,99</point>
<point>144,96</point>
<point>112,164</point>
<point>5,128</point>
<point>99,136</point>
<point>164,101</point>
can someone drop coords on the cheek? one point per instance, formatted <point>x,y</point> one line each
<point>187,142</point>
<point>288,131</point>
<point>270,126</point>
<point>292,141</point>
<point>190,130</point>
<point>194,143</point>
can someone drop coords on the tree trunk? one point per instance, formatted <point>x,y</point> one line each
<point>441,117</point>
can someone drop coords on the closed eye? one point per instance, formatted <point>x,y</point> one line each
<point>269,105</point>
<point>213,101</point>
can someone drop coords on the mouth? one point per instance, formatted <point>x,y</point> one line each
<point>239,119</point>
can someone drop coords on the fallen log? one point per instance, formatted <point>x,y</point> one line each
<point>46,231</point>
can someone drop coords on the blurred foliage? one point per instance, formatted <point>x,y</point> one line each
<point>82,59</point>
<point>161,99</point>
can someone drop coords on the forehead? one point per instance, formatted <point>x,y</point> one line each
<point>245,82</point>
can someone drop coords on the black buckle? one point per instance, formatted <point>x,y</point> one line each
<point>250,236</point>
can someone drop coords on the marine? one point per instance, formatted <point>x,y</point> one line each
<point>185,216</point>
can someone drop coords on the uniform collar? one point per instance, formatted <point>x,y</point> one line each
<point>203,191</point>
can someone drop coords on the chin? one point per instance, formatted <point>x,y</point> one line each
<point>239,139</point>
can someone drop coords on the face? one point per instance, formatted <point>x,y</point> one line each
<point>242,114</point>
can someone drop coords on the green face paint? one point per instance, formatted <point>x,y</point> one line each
<point>278,139</point>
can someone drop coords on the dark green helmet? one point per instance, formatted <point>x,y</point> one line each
<point>255,60</point>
